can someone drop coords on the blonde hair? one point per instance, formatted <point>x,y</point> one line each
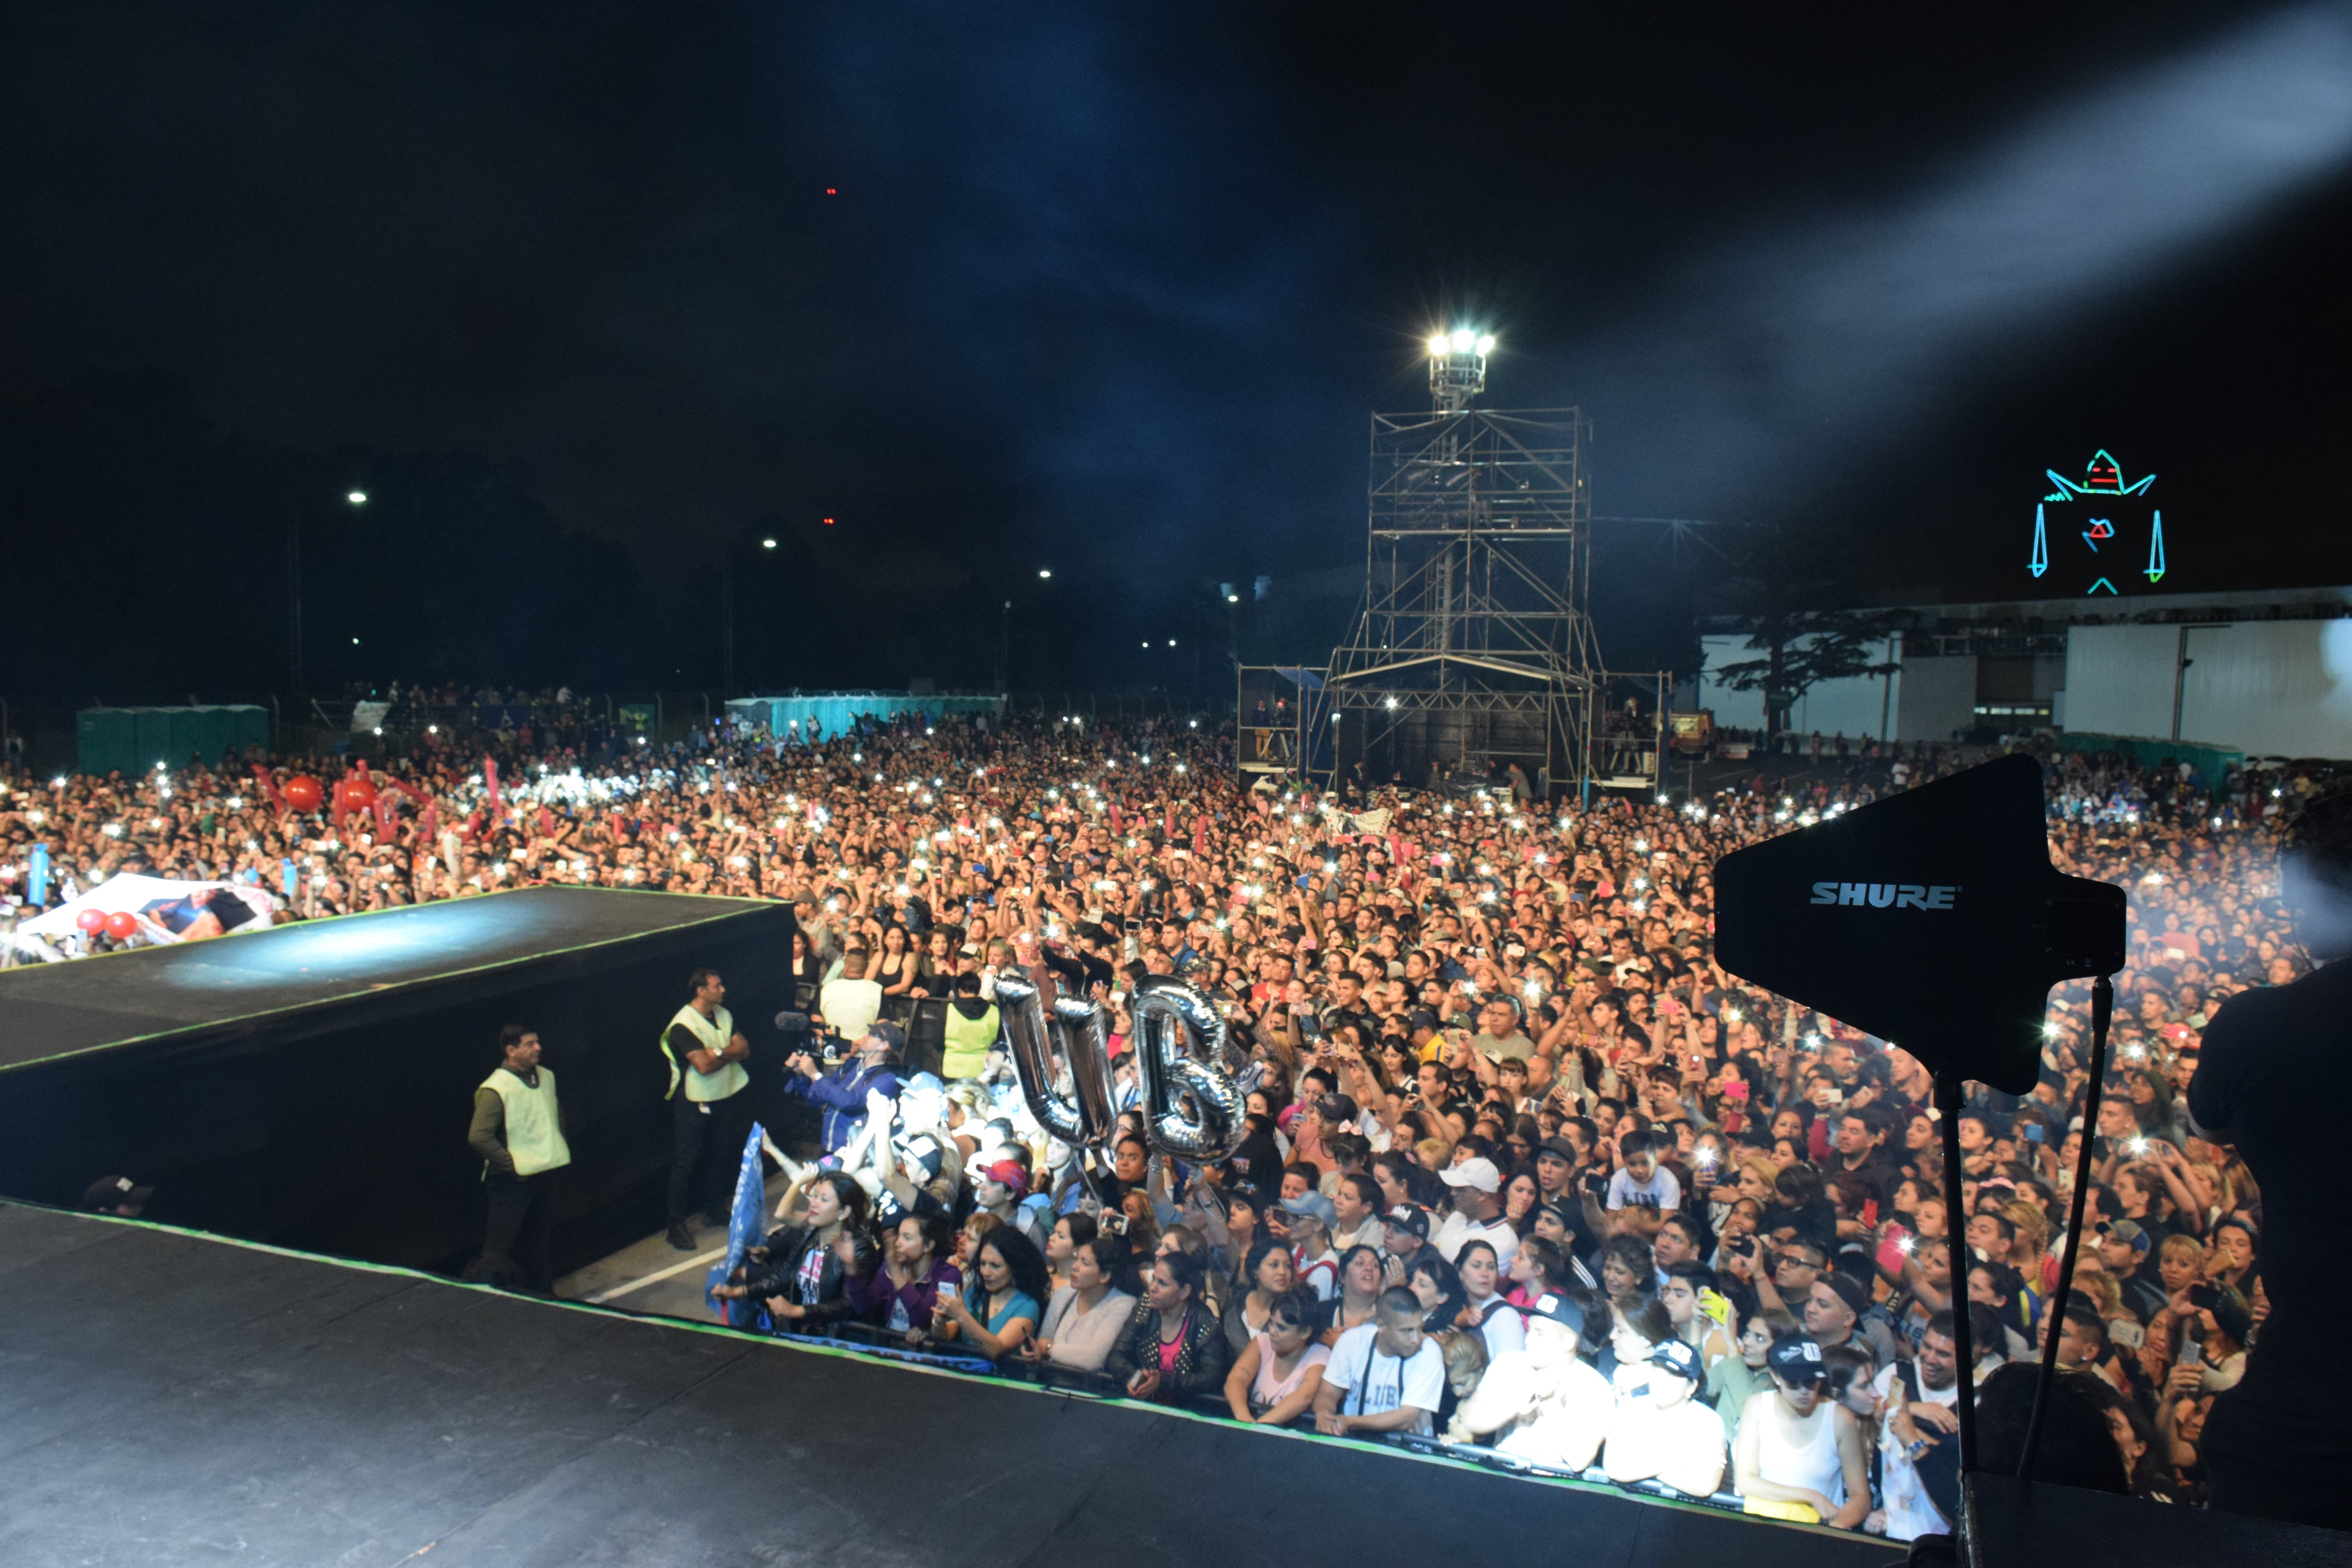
<point>1432,1154</point>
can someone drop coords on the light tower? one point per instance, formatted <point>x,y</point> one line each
<point>1473,643</point>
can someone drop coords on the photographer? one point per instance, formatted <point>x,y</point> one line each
<point>840,1087</point>
<point>2276,1445</point>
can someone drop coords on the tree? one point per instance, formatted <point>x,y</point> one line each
<point>1803,649</point>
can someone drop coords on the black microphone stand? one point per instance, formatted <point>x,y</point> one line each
<point>2102,1006</point>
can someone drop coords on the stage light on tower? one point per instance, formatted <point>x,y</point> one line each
<point>1457,366</point>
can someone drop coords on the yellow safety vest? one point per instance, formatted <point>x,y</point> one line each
<point>968,1040</point>
<point>534,1129</point>
<point>714,1034</point>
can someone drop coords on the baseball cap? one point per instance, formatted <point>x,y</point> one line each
<point>1410,1218</point>
<point>1336,1108</point>
<point>1558,1148</point>
<point>1677,1358</point>
<point>2129,1231</point>
<point>888,1033</point>
<point>1421,1018</point>
<point>116,1191</point>
<point>1559,1309</point>
<point>1313,1205</point>
<point>1008,1174</point>
<point>1476,1172</point>
<point>1797,1358</point>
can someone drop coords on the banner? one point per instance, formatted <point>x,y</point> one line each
<point>746,1229</point>
<point>368,717</point>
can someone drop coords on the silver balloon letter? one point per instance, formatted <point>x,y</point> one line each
<point>1192,1108</point>
<point>1068,1091</point>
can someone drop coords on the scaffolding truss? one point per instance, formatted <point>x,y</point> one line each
<point>1474,643</point>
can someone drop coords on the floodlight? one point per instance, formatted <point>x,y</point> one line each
<point>766,544</point>
<point>1465,339</point>
<point>357,498</point>
<point>1438,343</point>
<point>1044,572</point>
<point>1486,343</point>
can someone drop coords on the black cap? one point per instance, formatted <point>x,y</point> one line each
<point>1559,1309</point>
<point>1410,1217</point>
<point>1797,1358</point>
<point>1558,1148</point>
<point>110,1192</point>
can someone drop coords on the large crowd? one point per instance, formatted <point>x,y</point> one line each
<point>1525,1171</point>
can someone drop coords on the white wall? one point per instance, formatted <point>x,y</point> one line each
<point>2270,687</point>
<point>2119,680</point>
<point>1852,707</point>
<point>1937,697</point>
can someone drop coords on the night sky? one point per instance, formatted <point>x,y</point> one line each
<point>585,295</point>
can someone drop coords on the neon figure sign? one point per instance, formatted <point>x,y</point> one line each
<point>2104,537</point>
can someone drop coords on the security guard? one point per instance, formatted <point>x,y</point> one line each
<point>972,1026</point>
<point>708,1120</point>
<point>518,1130</point>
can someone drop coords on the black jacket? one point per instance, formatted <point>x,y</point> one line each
<point>779,1275</point>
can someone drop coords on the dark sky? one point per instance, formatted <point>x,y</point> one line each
<point>1112,287</point>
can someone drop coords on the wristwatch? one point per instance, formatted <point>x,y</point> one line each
<point>1916,1448</point>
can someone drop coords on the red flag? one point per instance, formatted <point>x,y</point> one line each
<point>268,787</point>
<point>546,823</point>
<point>490,776</point>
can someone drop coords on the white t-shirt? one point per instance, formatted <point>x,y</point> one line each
<point>1910,1512</point>
<point>1460,1229</point>
<point>1661,1192</point>
<point>1371,1381</point>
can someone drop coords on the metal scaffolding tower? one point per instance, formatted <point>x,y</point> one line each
<point>1474,644</point>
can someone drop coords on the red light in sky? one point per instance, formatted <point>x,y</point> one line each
<point>830,192</point>
<point>828,522</point>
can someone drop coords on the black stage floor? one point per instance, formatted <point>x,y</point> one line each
<point>56,1009</point>
<point>173,1399</point>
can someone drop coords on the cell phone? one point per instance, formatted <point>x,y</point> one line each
<point>2193,1353</point>
<point>1735,1089</point>
<point>2034,1132</point>
<point>1892,1250</point>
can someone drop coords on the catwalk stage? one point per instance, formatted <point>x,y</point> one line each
<point>176,1399</point>
<point>309,1085</point>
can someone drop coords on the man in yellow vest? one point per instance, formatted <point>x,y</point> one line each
<point>709,1121</point>
<point>972,1026</point>
<point>518,1130</point>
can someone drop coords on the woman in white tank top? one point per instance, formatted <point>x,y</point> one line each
<point>1796,1446</point>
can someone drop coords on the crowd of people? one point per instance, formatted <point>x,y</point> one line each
<point>1524,1168</point>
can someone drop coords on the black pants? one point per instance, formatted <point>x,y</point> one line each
<point>705,1152</point>
<point>517,1239</point>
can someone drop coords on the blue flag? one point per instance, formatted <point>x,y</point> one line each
<point>746,1227</point>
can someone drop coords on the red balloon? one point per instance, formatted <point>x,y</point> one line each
<point>358,794</point>
<point>91,921</point>
<point>122,925</point>
<point>304,792</point>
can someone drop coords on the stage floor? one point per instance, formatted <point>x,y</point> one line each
<point>57,1009</point>
<point>169,1399</point>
